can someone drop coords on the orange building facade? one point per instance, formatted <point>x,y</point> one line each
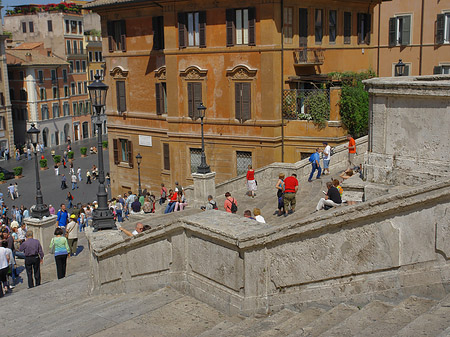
<point>242,60</point>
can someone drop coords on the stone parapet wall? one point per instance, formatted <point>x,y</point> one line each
<point>392,247</point>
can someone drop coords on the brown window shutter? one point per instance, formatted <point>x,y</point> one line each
<point>392,32</point>
<point>347,27</point>
<point>123,35</point>
<point>158,98</point>
<point>437,70</point>
<point>110,26</point>
<point>202,24</point>
<point>130,153</point>
<point>440,28</point>
<point>155,33</point>
<point>231,19</point>
<point>190,87</point>
<point>303,27</point>
<point>406,31</point>
<point>121,96</point>
<point>166,155</point>
<point>116,151</point>
<point>368,28</point>
<point>360,37</point>
<point>237,100</point>
<point>246,101</point>
<point>197,98</point>
<point>181,30</point>
<point>251,26</point>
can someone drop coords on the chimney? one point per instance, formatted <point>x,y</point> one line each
<point>28,57</point>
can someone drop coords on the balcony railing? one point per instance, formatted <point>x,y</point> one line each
<point>76,52</point>
<point>302,104</point>
<point>308,56</point>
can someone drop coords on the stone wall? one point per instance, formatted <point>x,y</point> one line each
<point>392,247</point>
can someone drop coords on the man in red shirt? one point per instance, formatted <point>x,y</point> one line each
<point>351,151</point>
<point>290,190</point>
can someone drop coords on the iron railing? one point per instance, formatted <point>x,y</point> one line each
<point>308,56</point>
<point>298,104</point>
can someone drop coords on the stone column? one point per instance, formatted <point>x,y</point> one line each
<point>43,230</point>
<point>204,185</point>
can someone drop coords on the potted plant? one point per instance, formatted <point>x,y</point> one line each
<point>105,144</point>
<point>43,164</point>
<point>57,159</point>
<point>2,178</point>
<point>18,172</point>
<point>83,151</point>
<point>70,155</point>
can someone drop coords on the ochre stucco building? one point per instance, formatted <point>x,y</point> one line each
<point>237,57</point>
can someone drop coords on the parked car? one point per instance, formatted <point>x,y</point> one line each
<point>8,174</point>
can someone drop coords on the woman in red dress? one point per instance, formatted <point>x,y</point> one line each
<point>251,182</point>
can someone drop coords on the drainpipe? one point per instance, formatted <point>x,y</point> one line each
<point>282,80</point>
<point>421,38</point>
<point>378,47</point>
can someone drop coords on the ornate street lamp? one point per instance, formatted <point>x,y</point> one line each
<point>138,160</point>
<point>203,168</point>
<point>40,210</point>
<point>102,216</point>
<point>400,68</point>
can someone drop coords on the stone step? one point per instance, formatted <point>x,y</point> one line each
<point>359,320</point>
<point>326,321</point>
<point>218,329</point>
<point>431,323</point>
<point>237,328</point>
<point>265,324</point>
<point>294,323</point>
<point>399,317</point>
<point>445,333</point>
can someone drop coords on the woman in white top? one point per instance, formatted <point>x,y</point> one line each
<point>4,266</point>
<point>258,216</point>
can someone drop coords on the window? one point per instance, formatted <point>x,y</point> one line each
<point>31,26</point>
<point>242,101</point>
<point>287,19</point>
<point>90,56</point>
<point>85,87</point>
<point>240,26</point>
<point>66,109</point>
<point>73,86</point>
<point>83,66</point>
<point>194,98</point>
<point>23,95</point>
<point>166,155</point>
<point>55,92</point>
<point>75,108</point>
<point>41,76</point>
<point>68,47</point>
<point>53,75</point>
<point>161,98</point>
<point>347,27</point>
<point>80,27</point>
<point>91,75</point>
<point>44,111</point>
<point>21,75</point>
<point>303,27</point>
<point>81,47</point>
<point>77,66</point>
<point>318,25</point>
<point>80,108</point>
<point>73,27</point>
<point>443,69</point>
<point>42,94</point>
<point>117,35</point>
<point>443,28</point>
<point>121,96</point>
<point>56,110</point>
<point>196,159</point>
<point>71,66</point>
<point>2,99</point>
<point>158,32</point>
<point>192,29</point>
<point>80,89</point>
<point>75,47</point>
<point>50,25</point>
<point>243,159</point>
<point>24,27</point>
<point>332,24</point>
<point>123,151</point>
<point>400,30</point>
<point>364,24</point>
<point>64,72</point>
<point>66,91</point>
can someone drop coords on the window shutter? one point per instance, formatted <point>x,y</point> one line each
<point>251,26</point>
<point>197,98</point>
<point>181,30</point>
<point>246,101</point>
<point>368,25</point>
<point>121,96</point>
<point>347,27</point>
<point>406,30</point>
<point>437,70</point>
<point>303,27</point>
<point>166,155</point>
<point>440,28</point>
<point>238,100</point>
<point>161,32</point>
<point>360,37</point>
<point>202,23</point>
<point>158,99</point>
<point>156,43</point>
<point>123,32</point>
<point>130,153</point>
<point>190,88</point>
<point>110,26</point>
<point>392,32</point>
<point>231,18</point>
<point>116,151</point>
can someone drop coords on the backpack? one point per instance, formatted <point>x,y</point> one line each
<point>214,205</point>
<point>233,207</point>
<point>311,158</point>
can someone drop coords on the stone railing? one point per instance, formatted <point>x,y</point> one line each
<point>397,245</point>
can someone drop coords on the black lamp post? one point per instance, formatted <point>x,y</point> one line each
<point>400,68</point>
<point>203,168</point>
<point>102,216</point>
<point>40,210</point>
<point>138,160</point>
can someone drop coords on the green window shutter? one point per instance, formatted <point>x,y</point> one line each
<point>230,24</point>
<point>440,28</point>
<point>303,27</point>
<point>181,30</point>
<point>116,151</point>
<point>238,100</point>
<point>437,70</point>
<point>110,28</point>
<point>158,98</point>
<point>406,30</point>
<point>190,88</point>
<point>347,27</point>
<point>251,26</point>
<point>246,101</point>
<point>202,31</point>
<point>392,32</point>
<point>130,153</point>
<point>121,96</point>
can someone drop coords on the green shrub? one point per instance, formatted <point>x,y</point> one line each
<point>105,144</point>
<point>57,159</point>
<point>70,154</point>
<point>18,170</point>
<point>43,163</point>
<point>2,176</point>
<point>83,150</point>
<point>318,107</point>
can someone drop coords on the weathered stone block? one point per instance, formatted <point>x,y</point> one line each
<point>149,258</point>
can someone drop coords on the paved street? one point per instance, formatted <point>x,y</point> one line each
<point>50,183</point>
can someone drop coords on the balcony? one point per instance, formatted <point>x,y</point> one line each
<point>308,57</point>
<point>78,52</point>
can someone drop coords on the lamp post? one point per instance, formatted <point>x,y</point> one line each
<point>203,168</point>
<point>400,68</point>
<point>102,216</point>
<point>138,160</point>
<point>40,210</point>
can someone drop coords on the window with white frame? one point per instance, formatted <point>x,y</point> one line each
<point>443,28</point>
<point>66,109</point>
<point>442,69</point>
<point>400,30</point>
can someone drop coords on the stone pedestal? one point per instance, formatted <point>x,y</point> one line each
<point>204,185</point>
<point>43,230</point>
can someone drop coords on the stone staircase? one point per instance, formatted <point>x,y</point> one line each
<point>64,308</point>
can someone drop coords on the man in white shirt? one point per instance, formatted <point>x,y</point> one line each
<point>326,158</point>
<point>21,232</point>
<point>4,266</point>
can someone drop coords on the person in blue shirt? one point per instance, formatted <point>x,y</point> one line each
<point>315,163</point>
<point>62,217</point>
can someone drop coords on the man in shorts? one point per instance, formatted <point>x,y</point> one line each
<point>290,190</point>
<point>326,158</point>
